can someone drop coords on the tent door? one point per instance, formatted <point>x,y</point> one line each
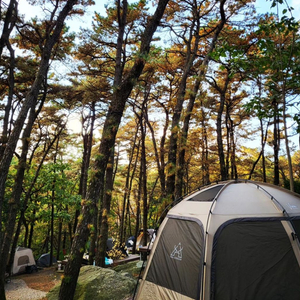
<point>254,259</point>
<point>294,238</point>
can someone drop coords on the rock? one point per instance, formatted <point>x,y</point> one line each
<point>99,284</point>
<point>131,268</point>
<point>126,274</point>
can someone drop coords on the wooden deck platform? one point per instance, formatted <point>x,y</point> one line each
<point>129,258</point>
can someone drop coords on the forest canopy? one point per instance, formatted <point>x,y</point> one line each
<point>107,117</point>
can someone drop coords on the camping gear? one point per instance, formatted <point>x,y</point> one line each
<point>109,244</point>
<point>231,240</point>
<point>130,242</point>
<point>23,261</point>
<point>44,260</point>
<point>150,238</point>
<point>108,261</point>
<point>114,249</point>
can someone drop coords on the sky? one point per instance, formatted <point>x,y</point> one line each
<point>264,6</point>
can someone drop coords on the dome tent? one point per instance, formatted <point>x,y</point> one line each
<point>232,240</point>
<point>23,259</point>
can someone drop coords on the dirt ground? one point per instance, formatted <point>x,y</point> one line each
<point>44,279</point>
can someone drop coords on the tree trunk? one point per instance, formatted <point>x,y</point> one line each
<point>286,138</point>
<point>28,192</point>
<point>111,125</point>
<point>7,110</point>
<point>202,70</point>
<point>192,49</point>
<point>276,144</point>
<point>29,102</point>
<point>173,165</point>
<point>223,171</point>
<point>100,257</point>
<point>17,192</point>
<point>231,149</point>
<point>205,154</point>
<point>16,196</point>
<point>31,228</point>
<point>183,143</point>
<point>127,217</point>
<point>15,241</point>
<point>87,137</point>
<point>52,224</point>
<point>25,242</point>
<point>9,23</point>
<point>261,154</point>
<point>59,240</point>
<point>160,155</point>
<point>126,190</point>
<point>138,209</point>
<point>144,178</point>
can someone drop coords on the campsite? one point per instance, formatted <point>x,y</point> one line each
<point>159,135</point>
<point>229,239</point>
<point>37,285</point>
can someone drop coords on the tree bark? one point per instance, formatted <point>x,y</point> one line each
<point>29,102</point>
<point>9,23</point>
<point>102,240</point>
<point>175,129</point>
<point>127,217</point>
<point>16,196</point>
<point>59,237</point>
<point>126,190</point>
<point>28,192</point>
<point>87,137</point>
<point>144,177</point>
<point>201,73</point>
<point>183,144</point>
<point>138,208</point>
<point>286,138</point>
<point>30,237</point>
<point>111,125</point>
<point>276,144</point>
<point>160,155</point>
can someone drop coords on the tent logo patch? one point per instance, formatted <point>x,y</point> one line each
<point>293,206</point>
<point>177,252</point>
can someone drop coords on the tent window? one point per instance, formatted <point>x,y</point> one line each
<point>207,195</point>
<point>254,260</point>
<point>23,260</point>
<point>178,258</point>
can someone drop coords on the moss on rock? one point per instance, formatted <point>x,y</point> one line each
<point>99,284</point>
<point>131,268</point>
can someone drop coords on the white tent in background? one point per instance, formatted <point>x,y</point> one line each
<point>23,258</point>
<point>232,240</point>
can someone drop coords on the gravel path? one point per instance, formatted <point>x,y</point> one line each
<point>17,289</point>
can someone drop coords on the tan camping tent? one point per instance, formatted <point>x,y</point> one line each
<point>232,240</point>
<point>23,258</point>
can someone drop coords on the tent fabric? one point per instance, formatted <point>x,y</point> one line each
<point>23,258</point>
<point>173,265</point>
<point>246,246</point>
<point>254,260</point>
<point>152,291</point>
<point>208,194</point>
<point>44,260</point>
